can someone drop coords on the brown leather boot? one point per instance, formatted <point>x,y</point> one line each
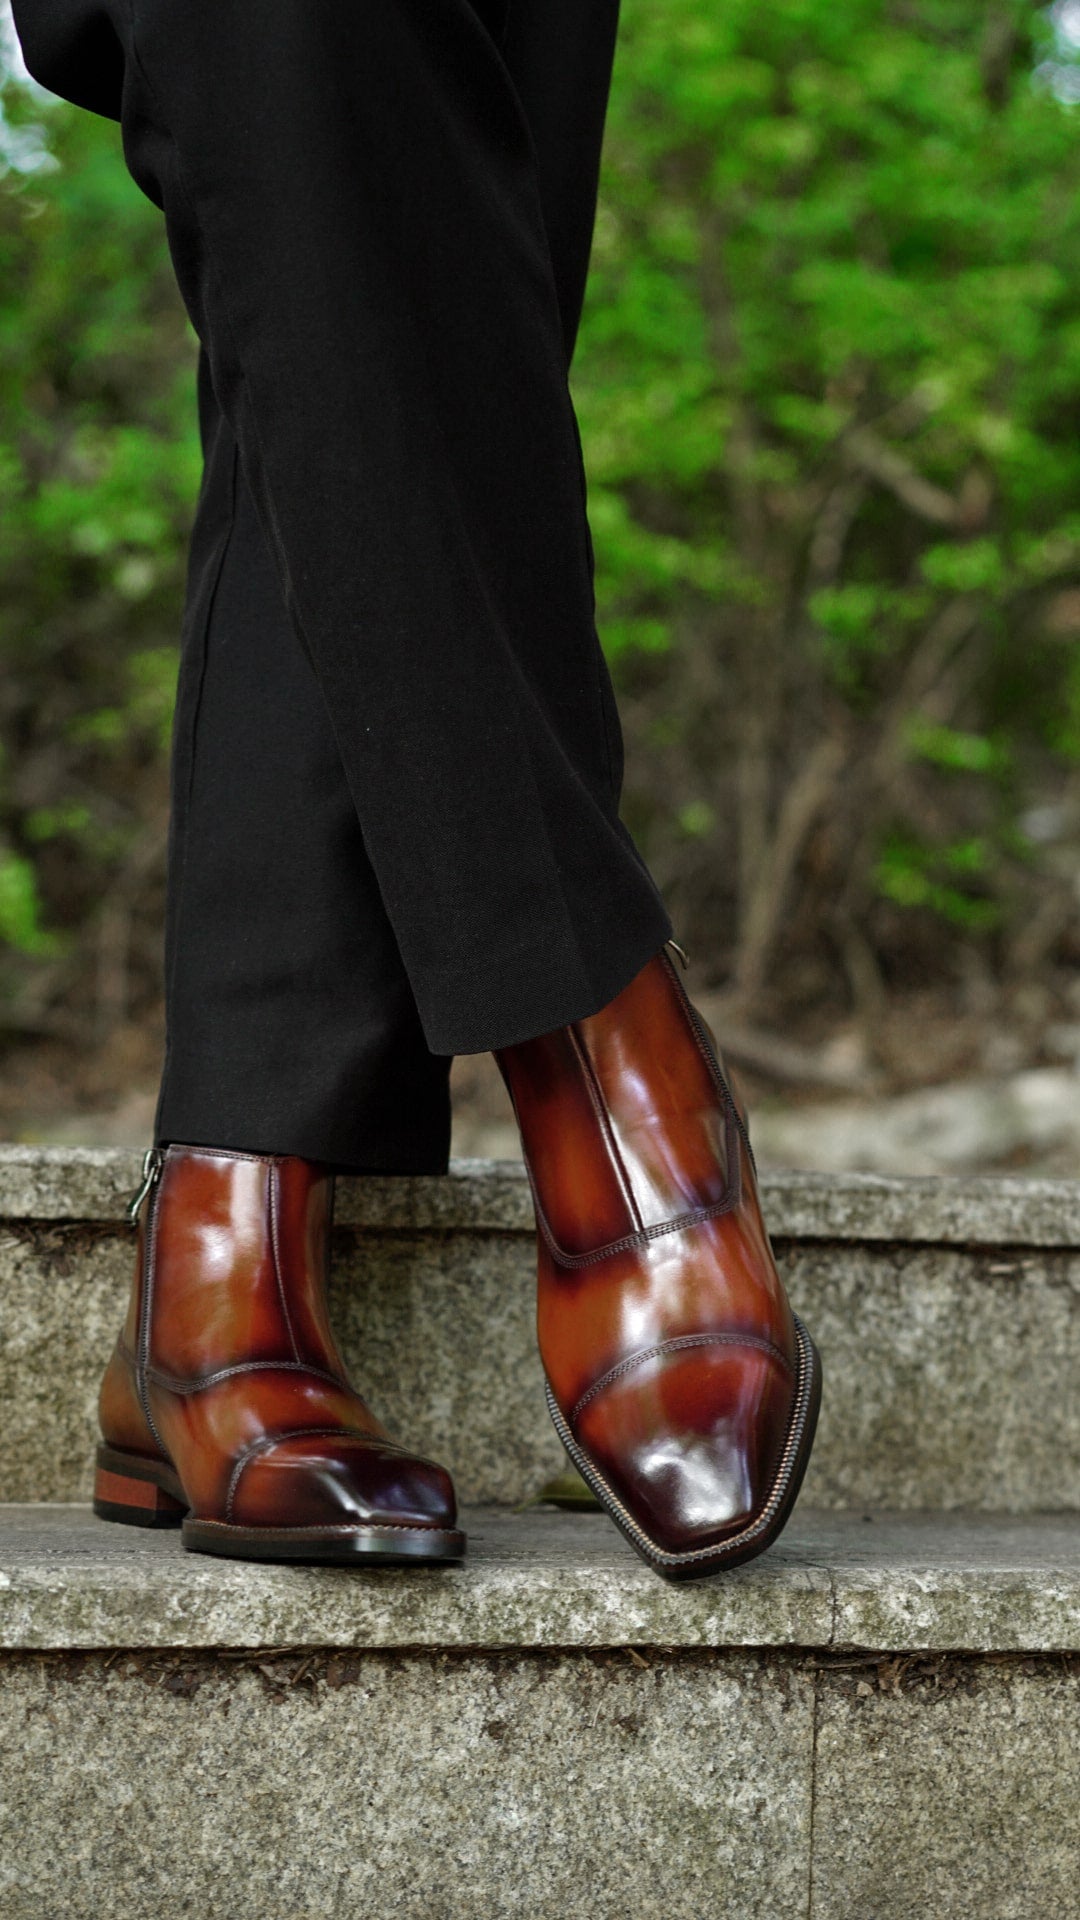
<point>225,1408</point>
<point>682,1386</point>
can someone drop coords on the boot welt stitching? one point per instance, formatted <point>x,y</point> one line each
<point>659,1556</point>
<point>680,1344</point>
<point>271,1440</point>
<point>362,1526</point>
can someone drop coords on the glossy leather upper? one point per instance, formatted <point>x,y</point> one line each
<point>226,1366</point>
<point>664,1327</point>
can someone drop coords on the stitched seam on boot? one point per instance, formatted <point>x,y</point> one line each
<point>805,1376</point>
<point>599,1107</point>
<point>268,1441</point>
<point>227,1153</point>
<point>196,1385</point>
<point>272,1202</point>
<point>680,1224</point>
<point>361,1526</point>
<point>680,1344</point>
<point>706,1052</point>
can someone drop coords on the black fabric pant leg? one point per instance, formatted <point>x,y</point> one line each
<point>353,207</point>
<point>291,1026</point>
<point>559,54</point>
<point>290,1023</point>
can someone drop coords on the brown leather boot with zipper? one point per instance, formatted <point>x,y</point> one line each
<point>225,1409</point>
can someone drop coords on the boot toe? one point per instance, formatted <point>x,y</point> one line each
<point>691,1442</point>
<point>328,1480</point>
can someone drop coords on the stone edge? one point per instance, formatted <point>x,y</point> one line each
<point>92,1185</point>
<point>814,1601</point>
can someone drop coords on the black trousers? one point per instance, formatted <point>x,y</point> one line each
<point>397,759</point>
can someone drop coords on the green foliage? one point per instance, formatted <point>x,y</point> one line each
<point>20,907</point>
<point>99,466</point>
<point>914,875</point>
<point>830,396</point>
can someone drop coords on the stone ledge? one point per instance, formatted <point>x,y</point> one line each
<point>92,1185</point>
<point>546,1579</point>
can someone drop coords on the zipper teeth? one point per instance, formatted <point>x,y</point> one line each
<point>729,1097</point>
<point>150,1188</point>
<point>705,1042</point>
<point>592,1474</point>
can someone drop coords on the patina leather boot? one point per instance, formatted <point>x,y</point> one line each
<point>225,1408</point>
<point>682,1386</point>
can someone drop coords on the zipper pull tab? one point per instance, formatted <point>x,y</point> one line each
<point>153,1161</point>
<point>684,957</point>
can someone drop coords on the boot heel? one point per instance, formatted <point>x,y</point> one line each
<point>128,1490</point>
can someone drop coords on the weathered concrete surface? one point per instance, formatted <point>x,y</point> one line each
<point>549,1579</point>
<point>440,1329</point>
<point>425,1787</point>
<point>947,1788</point>
<point>951,1377</point>
<point>66,1183</point>
<point>545,1786</point>
<point>62,1290</point>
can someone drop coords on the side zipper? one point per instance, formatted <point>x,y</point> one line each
<point>153,1161</point>
<point>705,1042</point>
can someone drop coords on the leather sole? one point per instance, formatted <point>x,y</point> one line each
<point>758,1533</point>
<point>147,1493</point>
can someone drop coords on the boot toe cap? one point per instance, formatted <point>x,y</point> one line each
<point>328,1480</point>
<point>691,1443</point>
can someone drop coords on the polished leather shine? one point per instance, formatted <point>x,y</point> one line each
<point>227,1393</point>
<point>679,1379</point>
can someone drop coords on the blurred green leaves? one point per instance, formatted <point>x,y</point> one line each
<point>99,466</point>
<point>20,907</point>
<point>829,385</point>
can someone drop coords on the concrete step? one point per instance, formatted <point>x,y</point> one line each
<point>544,1578</point>
<point>946,1312</point>
<point>875,1719</point>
